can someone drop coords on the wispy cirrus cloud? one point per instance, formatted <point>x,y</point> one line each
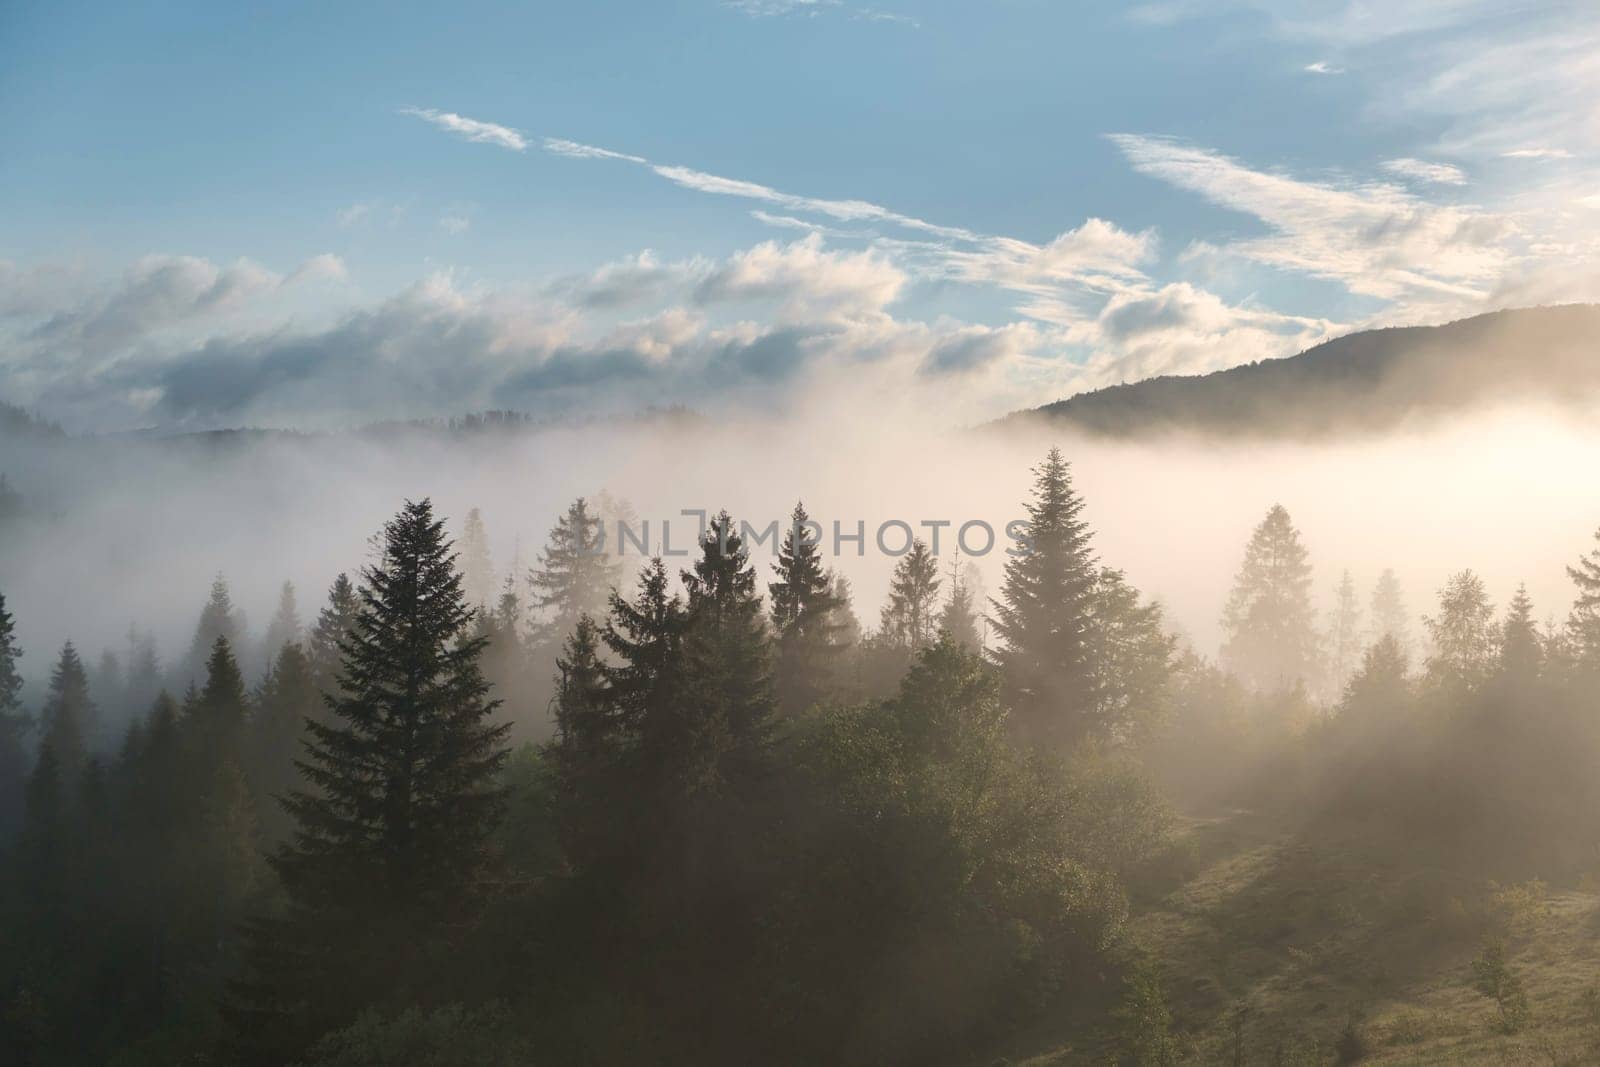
<point>1097,255</point>
<point>1377,239</point>
<point>470,129</point>
<point>1423,171</point>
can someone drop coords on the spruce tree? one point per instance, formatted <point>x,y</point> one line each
<point>1130,664</point>
<point>1042,616</point>
<point>14,726</point>
<point>390,848</point>
<point>69,717</point>
<point>646,676</point>
<point>803,619</point>
<point>588,751</point>
<point>1389,616</point>
<point>1344,634</point>
<point>334,625</point>
<point>1379,689</point>
<point>1269,628</point>
<point>575,576</point>
<point>1521,646</point>
<point>287,697</point>
<point>285,625</point>
<point>727,665</point>
<point>910,619</point>
<point>1583,625</point>
<point>477,569</point>
<point>216,719</point>
<point>844,614</point>
<point>219,618</point>
<point>959,618</point>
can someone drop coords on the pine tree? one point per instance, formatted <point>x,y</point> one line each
<point>216,719</point>
<point>1583,625</point>
<point>287,697</point>
<point>390,846</point>
<point>144,669</point>
<point>959,618</point>
<point>285,625</point>
<point>803,619</point>
<point>218,618</point>
<point>1389,616</point>
<point>1130,663</point>
<point>1344,634</point>
<point>589,749</point>
<point>14,727</point>
<point>1463,635</point>
<point>334,625</point>
<point>1042,615</point>
<point>1379,689</point>
<point>477,569</point>
<point>646,680</point>
<point>575,576</point>
<point>727,665</point>
<point>1271,639</point>
<point>910,620</point>
<point>69,718</point>
<point>506,661</point>
<point>1521,647</point>
<point>844,615</point>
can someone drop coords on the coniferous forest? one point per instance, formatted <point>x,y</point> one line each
<point>611,810</point>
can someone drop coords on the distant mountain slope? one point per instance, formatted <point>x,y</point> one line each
<point>1372,380</point>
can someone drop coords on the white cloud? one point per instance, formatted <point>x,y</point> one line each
<point>1378,240</point>
<point>471,129</point>
<point>1322,66</point>
<point>1536,153</point>
<point>1423,171</point>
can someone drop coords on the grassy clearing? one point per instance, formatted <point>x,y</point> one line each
<point>1354,949</point>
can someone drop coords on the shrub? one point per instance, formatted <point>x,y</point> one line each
<point>1495,979</point>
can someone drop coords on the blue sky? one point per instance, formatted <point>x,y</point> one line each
<point>320,214</point>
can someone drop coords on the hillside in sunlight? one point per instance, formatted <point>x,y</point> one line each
<point>1372,380</point>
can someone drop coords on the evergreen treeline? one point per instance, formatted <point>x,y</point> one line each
<point>754,833</point>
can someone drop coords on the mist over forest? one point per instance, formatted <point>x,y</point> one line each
<point>880,533</point>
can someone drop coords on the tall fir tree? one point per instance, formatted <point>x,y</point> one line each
<point>959,618</point>
<point>645,677</point>
<point>1583,624</point>
<point>1042,616</point>
<point>1130,664</point>
<point>14,727</point>
<point>69,717</point>
<point>1344,635</point>
<point>1389,617</point>
<point>589,752</point>
<point>1521,645</point>
<point>1379,690</point>
<point>287,697</point>
<point>390,850</point>
<point>1268,624</point>
<point>144,669</point>
<point>335,622</point>
<point>215,721</point>
<point>727,667</point>
<point>284,627</point>
<point>910,619</point>
<point>804,620</point>
<point>219,618</point>
<point>477,567</point>
<point>575,574</point>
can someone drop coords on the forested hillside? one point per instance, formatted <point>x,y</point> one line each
<point>1369,380</point>
<point>719,812</point>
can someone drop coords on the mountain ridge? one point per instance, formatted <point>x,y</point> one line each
<point>1364,381</point>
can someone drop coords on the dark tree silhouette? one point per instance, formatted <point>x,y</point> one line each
<point>390,847</point>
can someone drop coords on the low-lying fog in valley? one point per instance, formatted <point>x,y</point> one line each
<point>132,530</point>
